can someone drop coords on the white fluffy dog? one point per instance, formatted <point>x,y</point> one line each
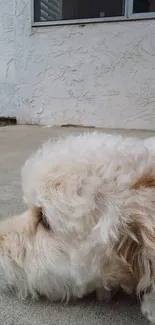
<point>90,223</point>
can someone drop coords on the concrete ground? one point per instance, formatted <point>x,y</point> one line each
<point>16,143</point>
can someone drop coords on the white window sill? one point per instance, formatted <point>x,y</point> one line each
<point>141,16</point>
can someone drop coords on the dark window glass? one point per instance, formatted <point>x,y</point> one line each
<point>140,6</point>
<point>50,10</point>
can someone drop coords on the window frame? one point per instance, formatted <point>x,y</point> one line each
<point>128,16</point>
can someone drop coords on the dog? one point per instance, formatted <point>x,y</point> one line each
<point>89,224</point>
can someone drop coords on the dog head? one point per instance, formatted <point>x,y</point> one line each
<point>86,226</point>
<point>35,259</point>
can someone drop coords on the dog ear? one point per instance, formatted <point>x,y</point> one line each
<point>136,251</point>
<point>147,180</point>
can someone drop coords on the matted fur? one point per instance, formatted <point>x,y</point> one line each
<point>90,220</point>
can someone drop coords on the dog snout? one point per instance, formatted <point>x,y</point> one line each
<point>25,224</point>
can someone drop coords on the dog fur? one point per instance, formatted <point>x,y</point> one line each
<point>89,224</point>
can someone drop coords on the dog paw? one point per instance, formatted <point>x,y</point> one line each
<point>103,294</point>
<point>148,306</point>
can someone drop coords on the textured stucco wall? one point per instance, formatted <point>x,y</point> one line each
<point>98,74</point>
<point>7,75</point>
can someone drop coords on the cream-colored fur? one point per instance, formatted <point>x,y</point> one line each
<point>89,224</point>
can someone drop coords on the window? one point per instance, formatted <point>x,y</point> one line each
<point>76,11</point>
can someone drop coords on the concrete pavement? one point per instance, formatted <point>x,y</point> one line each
<point>16,143</point>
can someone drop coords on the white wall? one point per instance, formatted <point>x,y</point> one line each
<point>101,75</point>
<point>7,73</point>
